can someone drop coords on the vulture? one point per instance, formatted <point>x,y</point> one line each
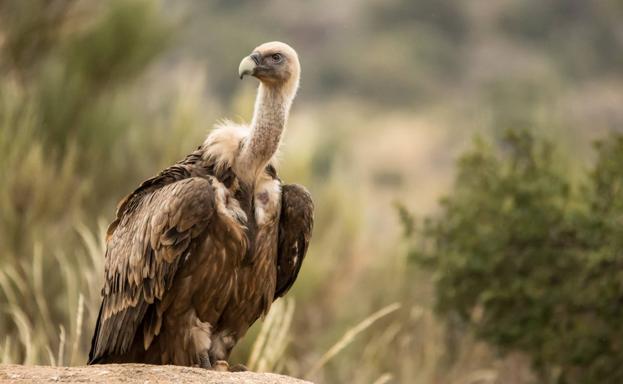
<point>199,252</point>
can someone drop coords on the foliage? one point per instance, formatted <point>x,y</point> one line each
<point>572,30</point>
<point>530,264</point>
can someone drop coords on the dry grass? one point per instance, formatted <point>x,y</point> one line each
<point>38,339</point>
<point>273,339</point>
<point>349,336</point>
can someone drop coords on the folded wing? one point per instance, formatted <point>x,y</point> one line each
<point>295,230</point>
<point>157,227</point>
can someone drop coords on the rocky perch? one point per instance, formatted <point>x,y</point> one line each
<point>135,373</point>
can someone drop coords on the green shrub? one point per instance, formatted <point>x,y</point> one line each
<point>530,263</point>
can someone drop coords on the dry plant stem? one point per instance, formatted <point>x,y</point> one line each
<point>7,350</point>
<point>272,340</point>
<point>261,339</point>
<point>50,356</point>
<point>277,339</point>
<point>282,337</point>
<point>78,335</point>
<point>384,378</point>
<point>350,335</point>
<point>61,345</point>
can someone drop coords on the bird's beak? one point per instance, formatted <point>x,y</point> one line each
<point>247,66</point>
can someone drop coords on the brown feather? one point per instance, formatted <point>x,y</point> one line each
<point>295,230</point>
<point>135,281</point>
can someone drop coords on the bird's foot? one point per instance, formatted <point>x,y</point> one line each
<point>221,366</point>
<point>238,368</point>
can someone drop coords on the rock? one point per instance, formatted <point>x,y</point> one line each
<point>135,373</point>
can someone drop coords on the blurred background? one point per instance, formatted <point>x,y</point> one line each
<point>468,229</point>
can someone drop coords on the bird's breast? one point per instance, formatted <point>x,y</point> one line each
<point>267,201</point>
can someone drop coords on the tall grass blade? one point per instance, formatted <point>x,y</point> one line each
<point>23,328</point>
<point>350,335</point>
<point>384,378</point>
<point>50,355</point>
<point>38,290</point>
<point>78,333</point>
<point>260,341</point>
<point>6,351</point>
<point>61,345</point>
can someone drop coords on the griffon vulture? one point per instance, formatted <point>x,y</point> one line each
<point>198,253</point>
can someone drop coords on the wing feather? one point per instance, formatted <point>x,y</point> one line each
<point>156,227</point>
<point>295,229</point>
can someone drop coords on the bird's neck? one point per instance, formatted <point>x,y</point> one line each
<point>270,116</point>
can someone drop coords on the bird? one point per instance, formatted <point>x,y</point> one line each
<point>199,252</point>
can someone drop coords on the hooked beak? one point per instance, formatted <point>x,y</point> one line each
<point>248,65</point>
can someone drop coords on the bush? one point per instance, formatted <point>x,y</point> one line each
<point>530,263</point>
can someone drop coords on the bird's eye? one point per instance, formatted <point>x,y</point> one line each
<point>277,57</point>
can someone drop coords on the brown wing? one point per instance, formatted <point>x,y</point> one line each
<point>295,229</point>
<point>156,228</point>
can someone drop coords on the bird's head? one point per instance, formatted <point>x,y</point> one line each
<point>275,64</point>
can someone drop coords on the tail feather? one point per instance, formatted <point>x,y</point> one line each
<point>93,359</point>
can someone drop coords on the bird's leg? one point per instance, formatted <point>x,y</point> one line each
<point>222,344</point>
<point>199,334</point>
<point>204,360</point>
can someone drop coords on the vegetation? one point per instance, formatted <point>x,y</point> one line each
<point>97,96</point>
<point>528,262</point>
